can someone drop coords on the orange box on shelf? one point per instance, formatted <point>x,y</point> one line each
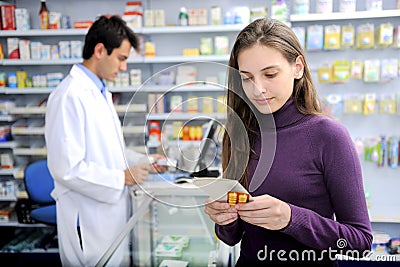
<point>82,24</point>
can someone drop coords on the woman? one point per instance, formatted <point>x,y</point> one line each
<point>303,171</point>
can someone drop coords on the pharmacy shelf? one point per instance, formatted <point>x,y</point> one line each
<point>9,144</point>
<point>18,130</point>
<point>27,90</point>
<point>147,88</point>
<point>30,151</point>
<point>8,198</point>
<point>192,29</point>
<point>184,88</point>
<point>7,118</point>
<point>37,32</point>
<point>14,223</point>
<point>28,110</point>
<point>122,89</point>
<point>131,108</point>
<point>178,59</point>
<point>379,219</point>
<point>12,172</point>
<point>133,130</point>
<point>345,16</point>
<point>32,62</point>
<point>186,116</point>
<point>134,60</point>
<point>184,143</point>
<point>42,110</point>
<point>144,30</point>
<point>6,172</point>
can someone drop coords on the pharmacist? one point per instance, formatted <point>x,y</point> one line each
<point>86,151</point>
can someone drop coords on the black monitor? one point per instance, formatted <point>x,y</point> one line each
<point>209,151</point>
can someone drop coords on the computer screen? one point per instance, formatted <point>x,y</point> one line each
<point>210,151</point>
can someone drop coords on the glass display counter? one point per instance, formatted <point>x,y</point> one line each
<point>168,228</point>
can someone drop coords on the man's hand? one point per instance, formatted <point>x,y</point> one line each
<point>136,174</point>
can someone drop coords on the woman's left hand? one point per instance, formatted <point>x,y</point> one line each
<point>265,211</point>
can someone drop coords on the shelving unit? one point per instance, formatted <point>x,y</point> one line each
<point>144,30</point>
<point>383,209</point>
<point>336,16</point>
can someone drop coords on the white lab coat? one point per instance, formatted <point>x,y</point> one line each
<point>86,157</point>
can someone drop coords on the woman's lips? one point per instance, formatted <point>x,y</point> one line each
<point>264,101</point>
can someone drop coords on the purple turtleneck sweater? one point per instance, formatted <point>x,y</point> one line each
<point>316,170</point>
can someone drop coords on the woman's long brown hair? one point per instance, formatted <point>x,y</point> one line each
<point>273,34</point>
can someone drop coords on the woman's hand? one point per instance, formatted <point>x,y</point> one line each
<point>221,213</point>
<point>265,211</point>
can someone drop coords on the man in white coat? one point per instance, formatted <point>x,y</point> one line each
<point>86,151</point>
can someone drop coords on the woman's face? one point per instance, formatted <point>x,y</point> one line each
<point>267,77</point>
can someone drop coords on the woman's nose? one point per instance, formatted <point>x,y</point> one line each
<point>258,87</point>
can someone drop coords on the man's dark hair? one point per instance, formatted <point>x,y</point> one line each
<point>110,31</point>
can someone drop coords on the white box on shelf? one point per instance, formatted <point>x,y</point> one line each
<point>24,49</point>
<point>36,50</point>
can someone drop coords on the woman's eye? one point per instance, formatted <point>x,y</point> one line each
<point>246,79</point>
<point>270,75</point>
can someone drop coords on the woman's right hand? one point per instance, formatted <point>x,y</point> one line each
<point>219,212</point>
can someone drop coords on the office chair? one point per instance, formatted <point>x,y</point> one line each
<point>39,184</point>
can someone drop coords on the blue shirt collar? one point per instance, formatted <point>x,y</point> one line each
<point>99,83</point>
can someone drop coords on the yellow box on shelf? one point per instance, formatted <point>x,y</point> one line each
<point>365,36</point>
<point>192,104</point>
<point>207,104</point>
<point>332,37</point>
<point>384,35</point>
<point>191,52</point>
<point>347,36</point>
<point>150,49</point>
<point>340,71</point>
<point>325,74</point>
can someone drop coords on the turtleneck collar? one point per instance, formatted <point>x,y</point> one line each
<point>287,115</point>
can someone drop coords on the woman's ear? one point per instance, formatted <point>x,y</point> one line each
<point>299,67</point>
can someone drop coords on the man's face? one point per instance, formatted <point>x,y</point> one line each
<point>110,65</point>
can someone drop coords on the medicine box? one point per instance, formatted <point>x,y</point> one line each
<point>24,49</point>
<point>65,51</point>
<point>7,14</point>
<point>45,52</point>
<point>221,45</point>
<point>76,49</point>
<point>35,50</point>
<point>12,48</point>
<point>176,240</point>
<point>22,19</point>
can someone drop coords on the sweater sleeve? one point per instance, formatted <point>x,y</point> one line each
<point>230,234</point>
<point>351,229</point>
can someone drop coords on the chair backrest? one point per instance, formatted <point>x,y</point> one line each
<point>39,182</point>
